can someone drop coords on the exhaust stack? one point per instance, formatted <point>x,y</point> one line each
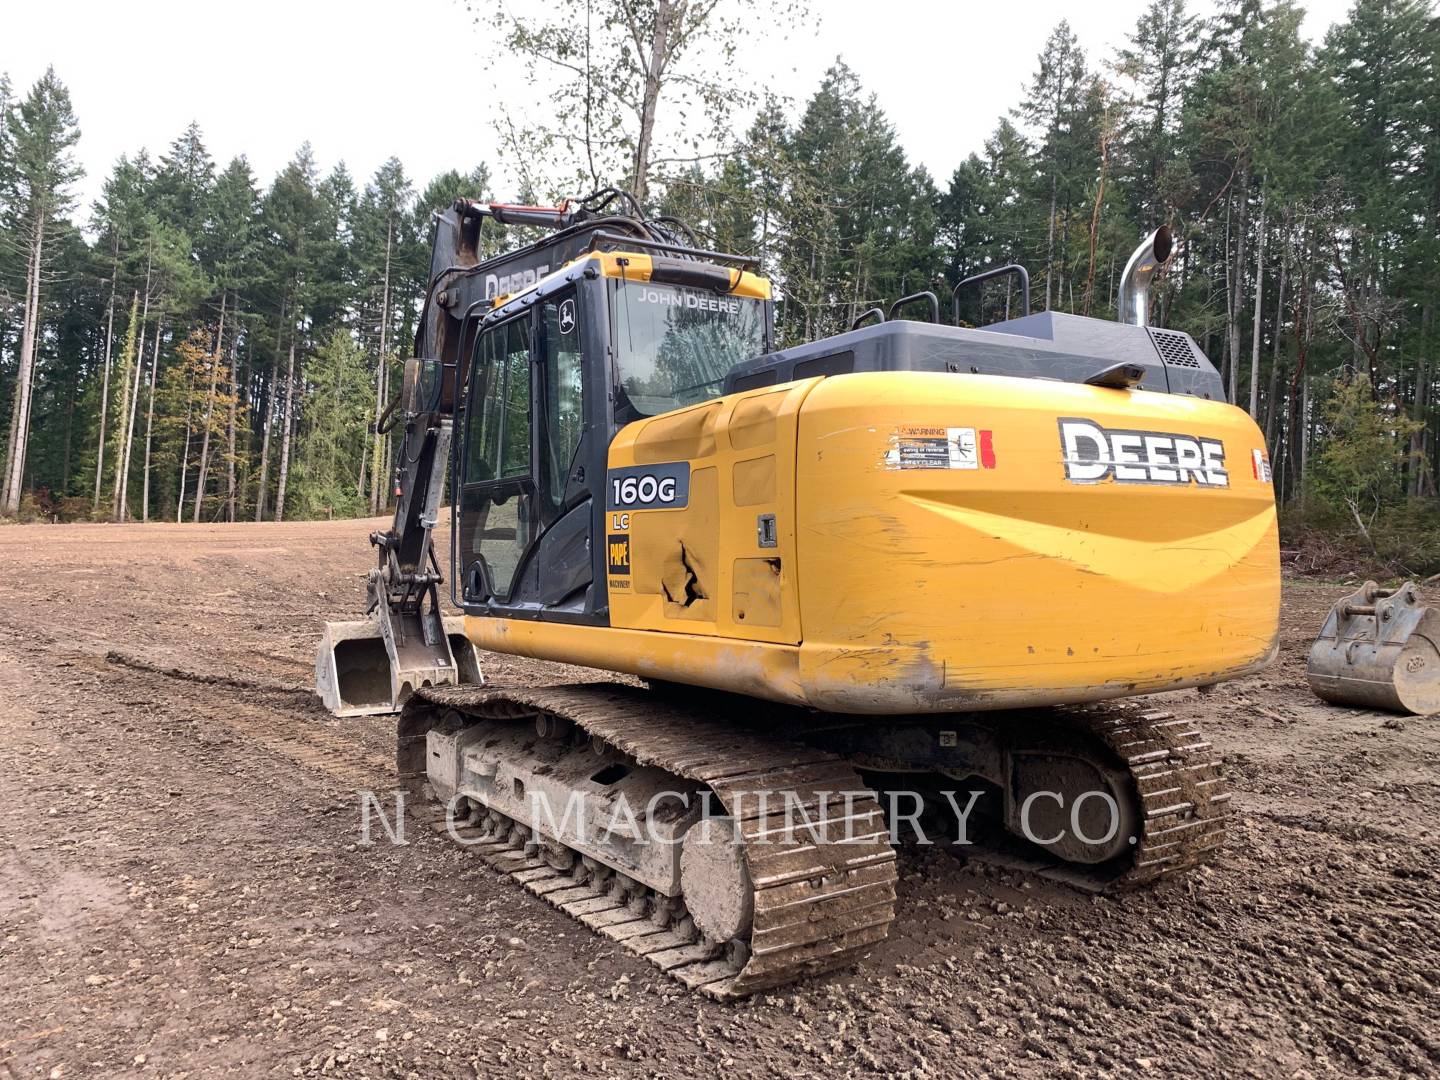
<point>1134,300</point>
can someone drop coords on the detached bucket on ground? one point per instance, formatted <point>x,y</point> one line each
<point>1378,650</point>
<point>361,670</point>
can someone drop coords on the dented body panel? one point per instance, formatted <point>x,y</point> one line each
<point>934,543</point>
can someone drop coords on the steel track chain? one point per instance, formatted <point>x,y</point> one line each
<point>823,895</point>
<point>819,905</point>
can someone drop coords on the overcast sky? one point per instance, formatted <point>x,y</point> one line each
<point>366,79</point>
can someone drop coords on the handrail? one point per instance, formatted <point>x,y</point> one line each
<point>864,315</point>
<point>934,302</point>
<point>986,275</point>
<point>748,262</point>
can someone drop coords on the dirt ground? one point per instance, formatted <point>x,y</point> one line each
<point>182,893</point>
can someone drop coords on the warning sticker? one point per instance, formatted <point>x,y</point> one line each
<point>917,447</point>
<point>1260,464</point>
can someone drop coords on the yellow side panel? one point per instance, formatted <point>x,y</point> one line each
<point>757,668</point>
<point>933,582</point>
<point>686,435</point>
<point>754,481</point>
<point>701,569</point>
<point>758,599</point>
<point>680,553</point>
<point>941,544</point>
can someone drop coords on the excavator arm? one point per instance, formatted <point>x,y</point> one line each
<point>406,642</point>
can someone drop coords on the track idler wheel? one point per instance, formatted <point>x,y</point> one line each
<point>715,880</point>
<point>1079,808</point>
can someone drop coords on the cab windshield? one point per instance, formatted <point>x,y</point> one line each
<point>674,346</point>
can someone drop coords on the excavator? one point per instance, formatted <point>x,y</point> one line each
<point>920,558</point>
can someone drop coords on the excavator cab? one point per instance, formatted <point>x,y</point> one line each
<point>553,375</point>
<point>539,355</point>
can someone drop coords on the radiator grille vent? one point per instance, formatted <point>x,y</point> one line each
<point>1174,348</point>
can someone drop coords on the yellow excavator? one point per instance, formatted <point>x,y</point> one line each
<point>885,578</point>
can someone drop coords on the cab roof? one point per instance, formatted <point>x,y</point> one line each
<point>636,266</point>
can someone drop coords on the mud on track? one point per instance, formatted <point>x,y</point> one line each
<point>181,893</point>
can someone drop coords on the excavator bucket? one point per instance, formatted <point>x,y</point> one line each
<point>369,668</point>
<point>1379,649</point>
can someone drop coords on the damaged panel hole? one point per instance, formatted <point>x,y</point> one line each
<point>611,774</point>
<point>693,590</point>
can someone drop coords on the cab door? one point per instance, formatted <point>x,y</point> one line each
<point>496,504</point>
<point>522,538</point>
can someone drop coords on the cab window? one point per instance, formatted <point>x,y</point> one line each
<point>496,499</point>
<point>499,438</point>
<point>562,382</point>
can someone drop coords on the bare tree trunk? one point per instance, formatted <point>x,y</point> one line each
<point>1304,293</point>
<point>1237,288</point>
<point>210,410</point>
<point>122,482</point>
<point>150,425</point>
<point>263,479</point>
<point>1050,239</point>
<point>285,436</point>
<point>1259,295</point>
<point>185,446</point>
<point>1095,217</point>
<point>1272,405</point>
<point>69,433</point>
<point>124,389</point>
<point>24,380</point>
<point>1417,439</point>
<point>1420,476</point>
<point>14,429</point>
<point>386,475</point>
<point>230,428</point>
<point>1304,436</point>
<point>105,384</point>
<point>246,410</point>
<point>1227,247</point>
<point>269,418</point>
<point>378,451</point>
<point>668,14</point>
<point>365,468</point>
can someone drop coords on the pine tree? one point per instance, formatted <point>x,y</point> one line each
<point>1381,62</point>
<point>292,218</point>
<point>40,134</point>
<point>383,223</point>
<point>230,249</point>
<point>332,436</point>
<point>117,218</point>
<point>182,183</point>
<point>1159,62</point>
<point>854,211</point>
<point>1058,107</point>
